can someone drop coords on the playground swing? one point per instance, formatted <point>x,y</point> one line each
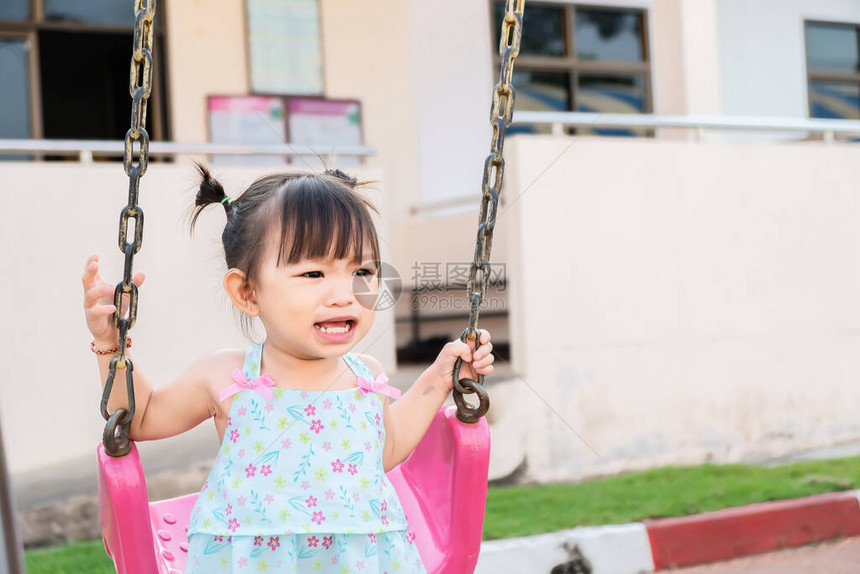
<point>442,486</point>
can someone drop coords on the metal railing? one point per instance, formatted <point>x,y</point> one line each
<point>559,120</point>
<point>85,150</point>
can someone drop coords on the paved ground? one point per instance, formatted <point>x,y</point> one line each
<point>842,557</point>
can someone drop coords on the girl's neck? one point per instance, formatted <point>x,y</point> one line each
<point>289,370</point>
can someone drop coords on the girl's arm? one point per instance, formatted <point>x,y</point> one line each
<point>167,411</point>
<point>159,413</point>
<point>407,420</point>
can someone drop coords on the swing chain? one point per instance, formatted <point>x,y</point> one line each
<point>116,431</point>
<point>501,114</point>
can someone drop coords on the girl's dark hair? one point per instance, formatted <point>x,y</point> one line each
<point>315,215</point>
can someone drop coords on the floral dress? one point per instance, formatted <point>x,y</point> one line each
<point>298,484</point>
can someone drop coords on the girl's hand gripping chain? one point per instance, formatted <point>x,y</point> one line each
<point>475,363</point>
<point>412,414</point>
<point>98,304</point>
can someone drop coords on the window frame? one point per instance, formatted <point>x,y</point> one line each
<point>30,28</point>
<point>825,76</point>
<point>34,87</point>
<point>571,64</point>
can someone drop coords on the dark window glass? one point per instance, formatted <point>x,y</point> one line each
<point>14,9</point>
<point>608,35</point>
<point>836,101</point>
<point>85,97</point>
<point>543,30</point>
<point>610,95</point>
<point>569,46</point>
<point>832,47</point>
<point>116,12</point>
<point>14,89</point>
<point>542,91</point>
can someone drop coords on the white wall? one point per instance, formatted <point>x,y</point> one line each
<point>677,303</point>
<point>368,55</point>
<point>763,52</point>
<point>700,56</point>
<point>56,216</point>
<point>453,81</point>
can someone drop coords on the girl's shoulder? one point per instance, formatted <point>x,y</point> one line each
<point>223,358</point>
<point>216,367</point>
<point>372,363</point>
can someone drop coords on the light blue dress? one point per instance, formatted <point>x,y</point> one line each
<point>298,486</point>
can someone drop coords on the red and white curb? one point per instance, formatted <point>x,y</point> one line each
<point>675,542</point>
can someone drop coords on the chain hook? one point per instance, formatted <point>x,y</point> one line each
<point>116,443</point>
<point>467,412</point>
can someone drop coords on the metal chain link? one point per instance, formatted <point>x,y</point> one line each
<point>501,114</point>
<point>140,87</point>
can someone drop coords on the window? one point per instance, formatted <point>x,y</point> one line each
<point>285,46</point>
<point>833,70</point>
<point>580,58</point>
<point>65,65</point>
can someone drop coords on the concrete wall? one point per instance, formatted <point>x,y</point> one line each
<point>367,55</point>
<point>700,56</point>
<point>670,94</point>
<point>206,55</point>
<point>56,216</point>
<point>687,303</point>
<point>453,81</point>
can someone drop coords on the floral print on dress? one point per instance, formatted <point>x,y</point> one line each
<point>298,485</point>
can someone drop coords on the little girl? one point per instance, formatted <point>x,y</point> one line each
<point>305,426</point>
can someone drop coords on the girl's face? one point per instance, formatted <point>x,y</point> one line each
<point>310,307</point>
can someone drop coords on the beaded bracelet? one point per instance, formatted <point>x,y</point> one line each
<point>109,351</point>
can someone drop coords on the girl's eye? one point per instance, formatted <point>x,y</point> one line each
<point>364,272</point>
<point>312,274</point>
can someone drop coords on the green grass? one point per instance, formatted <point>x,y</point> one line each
<point>663,492</point>
<point>522,511</point>
<point>78,558</point>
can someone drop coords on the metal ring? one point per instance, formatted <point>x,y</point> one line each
<point>116,444</point>
<point>466,412</point>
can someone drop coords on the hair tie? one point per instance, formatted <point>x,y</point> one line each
<point>228,200</point>
<point>342,176</point>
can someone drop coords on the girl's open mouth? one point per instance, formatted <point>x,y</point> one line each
<point>335,331</point>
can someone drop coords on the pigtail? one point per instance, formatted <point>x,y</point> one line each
<point>210,191</point>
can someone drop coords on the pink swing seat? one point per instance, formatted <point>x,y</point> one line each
<point>442,487</point>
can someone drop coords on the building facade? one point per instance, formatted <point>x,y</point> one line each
<point>423,74</point>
